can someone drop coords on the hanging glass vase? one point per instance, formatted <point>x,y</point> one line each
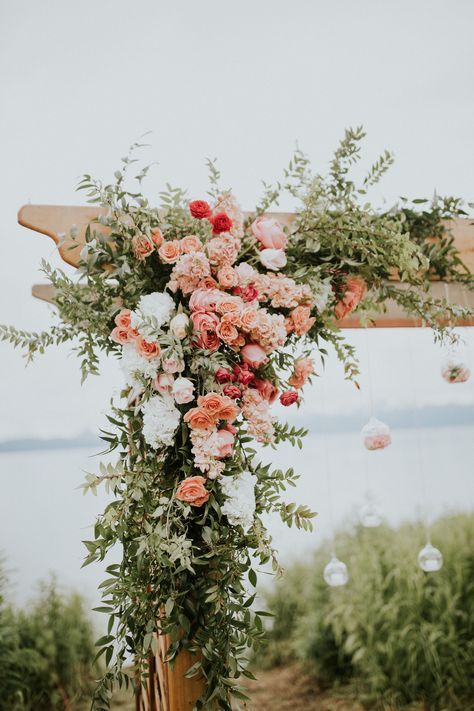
<point>430,559</point>
<point>335,573</point>
<point>375,434</point>
<point>370,516</point>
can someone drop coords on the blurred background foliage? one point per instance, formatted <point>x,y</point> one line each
<point>395,635</point>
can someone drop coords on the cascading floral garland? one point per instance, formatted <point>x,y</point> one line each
<point>214,316</point>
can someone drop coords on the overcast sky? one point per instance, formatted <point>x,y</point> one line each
<point>242,82</point>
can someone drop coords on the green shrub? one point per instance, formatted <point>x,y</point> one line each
<point>402,635</point>
<point>46,653</point>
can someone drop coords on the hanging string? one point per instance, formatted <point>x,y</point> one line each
<point>369,377</point>
<point>328,475</point>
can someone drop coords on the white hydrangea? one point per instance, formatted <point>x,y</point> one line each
<point>240,504</point>
<point>133,363</point>
<point>158,306</point>
<point>321,295</point>
<point>160,421</point>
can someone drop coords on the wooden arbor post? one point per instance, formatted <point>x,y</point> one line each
<point>168,689</point>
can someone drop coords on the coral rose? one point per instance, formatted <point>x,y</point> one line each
<point>170,252</point>
<point>200,209</point>
<point>211,403</point>
<point>192,491</point>
<point>142,246</point>
<point>273,259</point>
<point>226,443</point>
<point>147,349</point>
<point>199,419</point>
<point>156,236</point>
<point>227,332</point>
<point>121,335</point>
<point>220,223</point>
<point>266,389</point>
<point>356,289</point>
<point>269,233</point>
<point>229,409</point>
<point>124,318</point>
<point>254,355</point>
<point>289,397</point>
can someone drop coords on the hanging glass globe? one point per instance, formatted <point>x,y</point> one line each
<point>335,573</point>
<point>430,559</point>
<point>455,370</point>
<point>370,516</point>
<point>375,434</point>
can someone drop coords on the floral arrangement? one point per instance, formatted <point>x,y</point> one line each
<point>215,315</point>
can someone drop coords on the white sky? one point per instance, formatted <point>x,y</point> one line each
<point>240,81</point>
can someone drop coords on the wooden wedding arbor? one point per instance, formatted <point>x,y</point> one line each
<point>168,689</point>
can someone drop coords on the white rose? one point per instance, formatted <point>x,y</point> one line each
<point>273,259</point>
<point>183,390</point>
<point>163,382</point>
<point>179,325</point>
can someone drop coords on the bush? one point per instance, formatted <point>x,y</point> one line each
<point>46,652</point>
<point>402,635</point>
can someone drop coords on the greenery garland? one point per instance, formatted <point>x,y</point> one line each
<point>189,501</point>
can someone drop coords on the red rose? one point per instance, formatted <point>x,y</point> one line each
<point>232,391</point>
<point>289,397</point>
<point>200,209</point>
<point>243,374</point>
<point>223,375</point>
<point>249,293</point>
<point>220,223</point>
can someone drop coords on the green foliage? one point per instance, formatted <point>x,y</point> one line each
<point>46,653</point>
<point>401,635</point>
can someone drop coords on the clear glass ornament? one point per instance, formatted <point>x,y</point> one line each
<point>335,573</point>
<point>454,370</point>
<point>370,515</point>
<point>430,559</point>
<point>375,434</point>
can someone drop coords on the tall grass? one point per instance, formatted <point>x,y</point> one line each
<point>400,635</point>
<point>46,652</point>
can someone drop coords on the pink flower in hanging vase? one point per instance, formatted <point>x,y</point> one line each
<point>376,434</point>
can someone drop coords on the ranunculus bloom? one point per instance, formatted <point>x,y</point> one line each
<point>220,223</point>
<point>183,390</point>
<point>273,259</point>
<point>142,246</point>
<point>163,382</point>
<point>233,392</point>
<point>223,375</point>
<point>205,325</point>
<point>266,389</point>
<point>269,233</point>
<point>200,209</point>
<point>157,237</point>
<point>190,244</point>
<point>199,419</point>
<point>254,355</point>
<point>179,325</point>
<point>226,443</point>
<point>356,289</point>
<point>170,251</point>
<point>121,335</point>
<point>192,491</point>
<point>289,397</point>
<point>123,319</point>
<point>148,349</point>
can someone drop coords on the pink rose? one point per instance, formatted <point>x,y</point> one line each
<point>123,319</point>
<point>266,389</point>
<point>226,443</point>
<point>273,259</point>
<point>205,325</point>
<point>183,390</point>
<point>157,237</point>
<point>192,491</point>
<point>227,277</point>
<point>223,375</point>
<point>163,382</point>
<point>269,233</point>
<point>205,299</point>
<point>254,355</point>
<point>172,364</point>
<point>243,374</point>
<point>142,246</point>
<point>233,392</point>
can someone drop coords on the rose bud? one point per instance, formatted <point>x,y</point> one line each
<point>250,293</point>
<point>179,325</point>
<point>200,209</point>
<point>233,392</point>
<point>223,375</point>
<point>220,223</point>
<point>157,237</point>
<point>289,397</point>
<point>243,374</point>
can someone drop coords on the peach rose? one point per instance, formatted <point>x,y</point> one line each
<point>227,331</point>
<point>356,289</point>
<point>199,419</point>
<point>211,403</point>
<point>192,491</point>
<point>121,335</point>
<point>248,318</point>
<point>191,243</point>
<point>156,236</point>
<point>170,252</point>
<point>205,325</point>
<point>269,232</point>
<point>148,349</point>
<point>208,283</point>
<point>205,299</point>
<point>226,443</point>
<point>301,319</point>
<point>253,355</point>
<point>273,259</point>
<point>229,410</point>
<point>124,318</point>
<point>266,389</point>
<point>229,304</point>
<point>163,382</point>
<point>142,246</point>
<point>227,277</point>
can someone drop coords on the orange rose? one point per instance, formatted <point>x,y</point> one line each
<point>211,403</point>
<point>170,252</point>
<point>356,289</point>
<point>198,419</point>
<point>148,349</point>
<point>121,335</point>
<point>228,410</point>
<point>123,319</point>
<point>192,491</point>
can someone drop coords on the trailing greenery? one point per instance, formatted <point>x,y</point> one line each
<point>398,635</point>
<point>46,652</point>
